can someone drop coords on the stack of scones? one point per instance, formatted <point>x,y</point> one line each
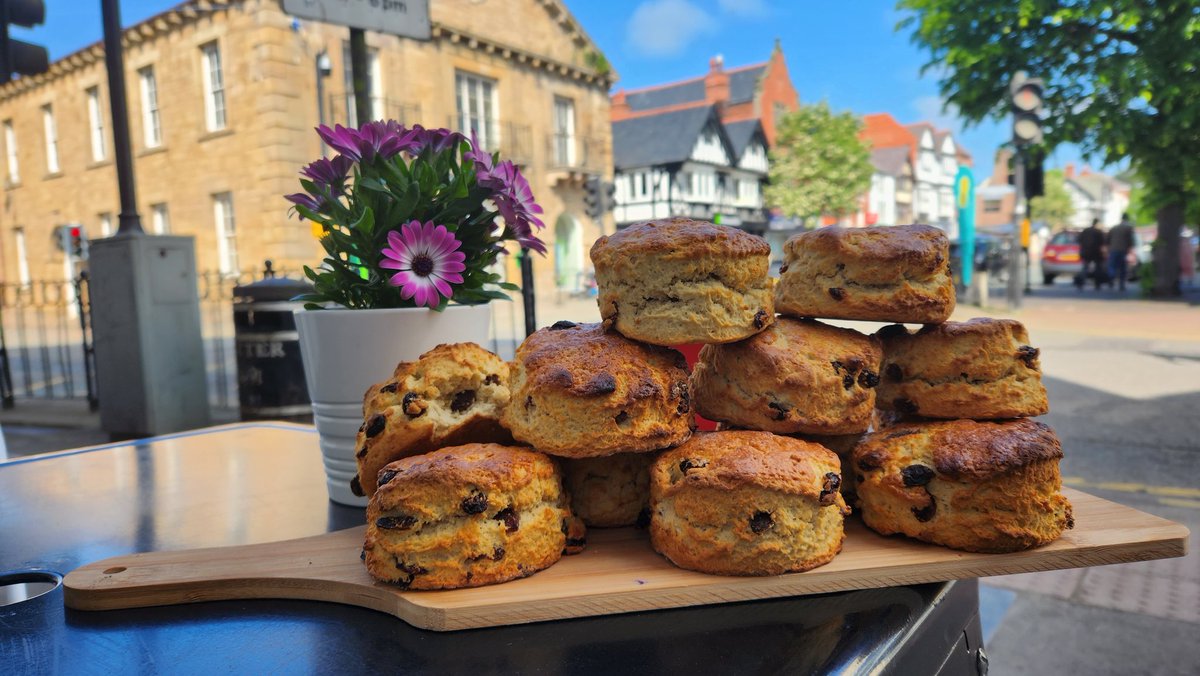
<point>481,471</point>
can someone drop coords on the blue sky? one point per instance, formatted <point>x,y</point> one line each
<point>843,51</point>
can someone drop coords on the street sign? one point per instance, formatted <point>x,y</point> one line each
<point>406,18</point>
<point>965,188</point>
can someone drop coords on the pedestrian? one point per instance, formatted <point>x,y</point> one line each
<point>1091,252</point>
<point>1120,241</point>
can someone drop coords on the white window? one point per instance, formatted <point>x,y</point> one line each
<point>151,123</point>
<point>564,131</point>
<point>96,123</point>
<point>374,87</point>
<point>10,151</point>
<point>51,130</point>
<point>477,108</point>
<point>227,257</point>
<point>214,88</point>
<point>159,219</point>
<point>106,227</point>
<point>22,257</point>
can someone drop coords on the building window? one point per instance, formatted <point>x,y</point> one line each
<point>106,228</point>
<point>214,88</point>
<point>22,257</point>
<point>10,151</point>
<point>51,130</point>
<point>477,110</point>
<point>159,219</point>
<point>227,256</point>
<point>991,206</point>
<point>374,87</point>
<point>151,124</point>
<point>96,123</point>
<point>564,131</point>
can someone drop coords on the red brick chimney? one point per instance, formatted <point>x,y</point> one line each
<point>716,83</point>
<point>1069,171</point>
<point>620,106</point>
<point>1001,169</point>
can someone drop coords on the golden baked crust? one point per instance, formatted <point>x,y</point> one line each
<point>610,491</point>
<point>965,484</point>
<point>982,368</point>
<point>579,391</point>
<point>796,376</point>
<point>453,394</point>
<point>746,503</point>
<point>467,516</point>
<point>679,281</point>
<point>895,273</point>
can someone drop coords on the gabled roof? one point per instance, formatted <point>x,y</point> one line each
<point>666,95</point>
<point>920,128</point>
<point>890,161</point>
<point>662,139</point>
<point>882,130</point>
<point>741,133</point>
<point>743,81</point>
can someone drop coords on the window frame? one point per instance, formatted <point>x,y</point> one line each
<point>96,124</point>
<point>226,230</point>
<point>22,251</point>
<point>152,136</point>
<point>564,134</point>
<point>12,161</point>
<point>160,218</point>
<point>485,101</point>
<point>50,131</point>
<point>216,112</point>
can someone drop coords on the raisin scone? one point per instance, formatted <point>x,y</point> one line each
<point>895,273</point>
<point>746,503</point>
<point>982,368</point>
<point>965,484</point>
<point>796,376</point>
<point>468,516</point>
<point>677,281</point>
<point>579,391</point>
<point>453,394</point>
<point>609,491</point>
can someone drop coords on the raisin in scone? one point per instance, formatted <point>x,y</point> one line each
<point>609,491</point>
<point>982,368</point>
<point>677,281</point>
<point>746,503</point>
<point>895,273</point>
<point>796,376</point>
<point>964,484</point>
<point>579,391</point>
<point>453,394</point>
<point>468,516</point>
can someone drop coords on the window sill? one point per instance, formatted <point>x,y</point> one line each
<point>152,151</point>
<point>52,175</point>
<point>99,163</point>
<point>12,185</point>
<point>208,136</point>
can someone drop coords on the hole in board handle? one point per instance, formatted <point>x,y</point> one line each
<point>114,570</point>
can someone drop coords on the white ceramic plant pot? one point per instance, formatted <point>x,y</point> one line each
<point>347,351</point>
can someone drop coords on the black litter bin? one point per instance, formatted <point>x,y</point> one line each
<point>270,371</point>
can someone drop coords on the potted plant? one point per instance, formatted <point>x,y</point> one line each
<point>412,222</point>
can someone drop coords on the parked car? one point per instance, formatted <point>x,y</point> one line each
<point>1061,256</point>
<point>991,254</point>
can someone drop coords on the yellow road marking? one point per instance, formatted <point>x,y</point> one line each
<point>1178,502</point>
<point>1126,487</point>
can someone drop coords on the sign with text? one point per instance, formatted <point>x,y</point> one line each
<point>406,18</point>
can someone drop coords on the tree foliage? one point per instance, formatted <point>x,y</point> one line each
<point>819,165</point>
<point>1120,74</point>
<point>1055,206</point>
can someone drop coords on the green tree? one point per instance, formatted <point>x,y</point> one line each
<point>819,165</point>
<point>1121,82</point>
<point>1055,206</point>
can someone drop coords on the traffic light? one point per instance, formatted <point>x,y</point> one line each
<point>1026,104</point>
<point>593,199</point>
<point>17,56</point>
<point>78,242</point>
<point>1035,182</point>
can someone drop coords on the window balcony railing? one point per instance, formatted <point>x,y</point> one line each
<point>514,141</point>
<point>571,151</point>
<point>338,109</point>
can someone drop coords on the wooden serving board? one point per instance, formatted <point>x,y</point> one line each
<point>618,573</point>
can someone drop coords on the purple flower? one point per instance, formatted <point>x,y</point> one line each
<point>331,173</point>
<point>371,140</point>
<point>514,200</point>
<point>427,261</point>
<point>303,199</point>
<point>482,160</point>
<point>438,139</point>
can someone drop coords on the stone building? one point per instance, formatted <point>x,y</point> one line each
<point>223,99</point>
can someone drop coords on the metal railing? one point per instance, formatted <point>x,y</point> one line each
<point>570,151</point>
<point>513,140</point>
<point>46,349</point>
<point>338,107</point>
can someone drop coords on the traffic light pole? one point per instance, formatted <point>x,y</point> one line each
<point>1014,259</point>
<point>114,62</point>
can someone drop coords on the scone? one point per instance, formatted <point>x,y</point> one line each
<point>796,376</point>
<point>451,395</point>
<point>467,516</point>
<point>678,281</point>
<point>746,503</point>
<point>965,484</point>
<point>983,368</point>
<point>843,445</point>
<point>610,491</point>
<point>895,273</point>
<point>579,391</point>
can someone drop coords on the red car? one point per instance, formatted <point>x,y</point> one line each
<point>1061,256</point>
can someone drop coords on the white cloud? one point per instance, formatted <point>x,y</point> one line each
<point>751,9</point>
<point>933,109</point>
<point>666,27</point>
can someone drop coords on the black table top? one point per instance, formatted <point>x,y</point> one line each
<point>260,482</point>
